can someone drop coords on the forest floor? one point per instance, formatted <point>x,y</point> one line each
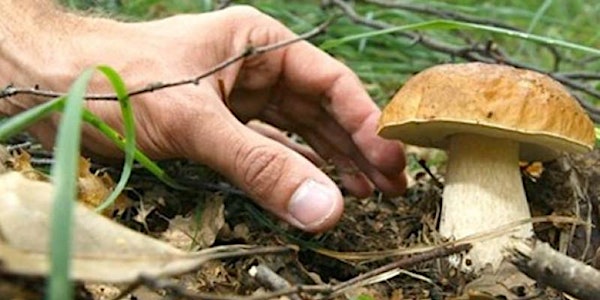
<point>374,233</point>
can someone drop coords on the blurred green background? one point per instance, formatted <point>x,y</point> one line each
<point>385,61</point>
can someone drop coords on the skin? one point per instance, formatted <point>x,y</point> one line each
<point>297,89</point>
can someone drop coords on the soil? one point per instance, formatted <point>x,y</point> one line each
<point>368,236</point>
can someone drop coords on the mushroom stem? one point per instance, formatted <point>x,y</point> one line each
<point>483,190</point>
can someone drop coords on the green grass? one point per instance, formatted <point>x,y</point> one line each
<point>65,169</point>
<point>64,176</point>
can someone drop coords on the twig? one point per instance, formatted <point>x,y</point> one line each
<point>406,262</point>
<point>182,292</point>
<point>223,4</point>
<point>249,51</point>
<point>214,253</point>
<point>548,266</point>
<point>580,75</point>
<point>268,278</point>
<point>326,291</point>
<point>425,167</point>
<point>439,13</point>
<point>20,146</point>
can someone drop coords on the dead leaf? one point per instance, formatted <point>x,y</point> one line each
<point>197,232</point>
<point>21,162</point>
<point>94,188</point>
<point>103,251</point>
<point>179,233</point>
<point>211,221</point>
<point>507,282</point>
<point>4,159</point>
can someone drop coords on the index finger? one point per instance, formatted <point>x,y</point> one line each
<point>310,71</point>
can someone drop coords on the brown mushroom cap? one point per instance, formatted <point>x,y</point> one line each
<point>492,100</point>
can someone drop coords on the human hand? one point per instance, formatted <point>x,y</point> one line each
<point>297,88</point>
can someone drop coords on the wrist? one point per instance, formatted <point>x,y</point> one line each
<point>34,39</point>
<point>43,47</point>
<point>28,35</point>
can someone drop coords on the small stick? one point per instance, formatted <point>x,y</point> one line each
<point>425,167</point>
<point>405,262</point>
<point>548,266</point>
<point>268,278</point>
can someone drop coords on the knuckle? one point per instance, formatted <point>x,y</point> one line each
<point>261,167</point>
<point>260,28</point>
<point>243,11</point>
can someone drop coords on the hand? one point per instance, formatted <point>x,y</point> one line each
<point>297,88</point>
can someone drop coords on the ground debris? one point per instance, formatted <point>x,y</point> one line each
<point>372,225</point>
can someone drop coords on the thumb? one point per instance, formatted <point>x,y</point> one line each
<point>277,178</point>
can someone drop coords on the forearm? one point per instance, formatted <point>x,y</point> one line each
<point>28,32</point>
<point>39,43</point>
<point>21,16</point>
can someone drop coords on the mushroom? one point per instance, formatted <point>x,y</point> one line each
<point>488,117</point>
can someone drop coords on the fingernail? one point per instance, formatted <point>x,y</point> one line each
<point>312,203</point>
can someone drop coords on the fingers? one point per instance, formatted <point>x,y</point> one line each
<point>347,102</point>
<point>278,178</point>
<point>350,175</point>
<point>276,135</point>
<point>332,142</point>
<point>311,75</point>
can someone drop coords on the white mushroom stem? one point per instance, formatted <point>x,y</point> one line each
<point>483,190</point>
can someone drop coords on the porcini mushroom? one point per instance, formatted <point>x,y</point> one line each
<point>488,117</point>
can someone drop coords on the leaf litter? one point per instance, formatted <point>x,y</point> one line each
<point>200,219</point>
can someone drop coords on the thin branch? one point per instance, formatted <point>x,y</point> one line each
<point>446,14</point>
<point>222,4</point>
<point>433,177</point>
<point>404,263</point>
<point>214,253</point>
<point>581,75</point>
<point>248,52</point>
<point>180,291</point>
<point>439,13</point>
<point>324,290</point>
<point>271,280</point>
<point>548,266</point>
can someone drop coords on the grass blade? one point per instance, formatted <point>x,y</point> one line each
<point>64,177</point>
<point>536,18</point>
<point>448,25</point>
<point>129,125</point>
<point>21,121</point>
<point>139,156</point>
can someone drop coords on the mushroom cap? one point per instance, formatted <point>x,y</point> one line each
<point>492,100</point>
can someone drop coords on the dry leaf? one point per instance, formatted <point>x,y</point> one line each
<point>21,162</point>
<point>504,283</point>
<point>197,232</point>
<point>212,220</point>
<point>532,169</point>
<point>179,233</point>
<point>95,188</point>
<point>4,159</point>
<point>103,250</point>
